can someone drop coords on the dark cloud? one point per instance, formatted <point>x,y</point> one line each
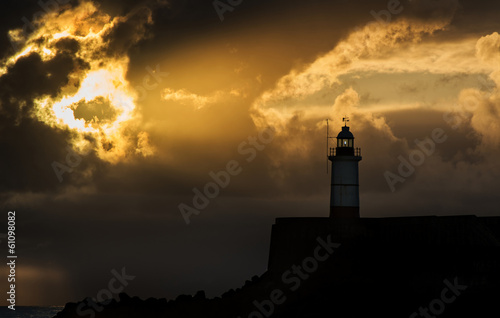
<point>67,45</point>
<point>128,32</point>
<point>433,9</point>
<point>30,146</point>
<point>30,77</point>
<point>22,15</point>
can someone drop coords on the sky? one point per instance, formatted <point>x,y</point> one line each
<point>115,115</point>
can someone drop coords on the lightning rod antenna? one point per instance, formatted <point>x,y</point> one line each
<point>327,137</point>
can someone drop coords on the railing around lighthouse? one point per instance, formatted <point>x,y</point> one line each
<point>333,152</point>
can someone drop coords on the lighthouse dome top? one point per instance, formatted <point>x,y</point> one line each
<point>345,134</point>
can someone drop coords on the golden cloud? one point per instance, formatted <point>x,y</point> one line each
<point>97,103</point>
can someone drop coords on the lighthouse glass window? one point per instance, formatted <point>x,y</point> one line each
<point>344,143</point>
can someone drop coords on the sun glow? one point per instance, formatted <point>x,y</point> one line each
<point>97,103</point>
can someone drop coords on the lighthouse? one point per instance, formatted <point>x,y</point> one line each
<point>344,196</point>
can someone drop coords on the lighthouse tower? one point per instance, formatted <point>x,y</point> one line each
<point>344,197</point>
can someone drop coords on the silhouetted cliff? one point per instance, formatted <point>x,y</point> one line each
<point>324,267</point>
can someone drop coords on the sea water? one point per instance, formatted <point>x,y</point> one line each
<point>30,312</point>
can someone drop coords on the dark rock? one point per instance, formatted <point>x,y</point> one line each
<point>382,268</point>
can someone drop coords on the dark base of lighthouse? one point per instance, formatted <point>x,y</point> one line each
<point>344,211</point>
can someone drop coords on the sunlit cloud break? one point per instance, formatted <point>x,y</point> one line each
<point>96,103</point>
